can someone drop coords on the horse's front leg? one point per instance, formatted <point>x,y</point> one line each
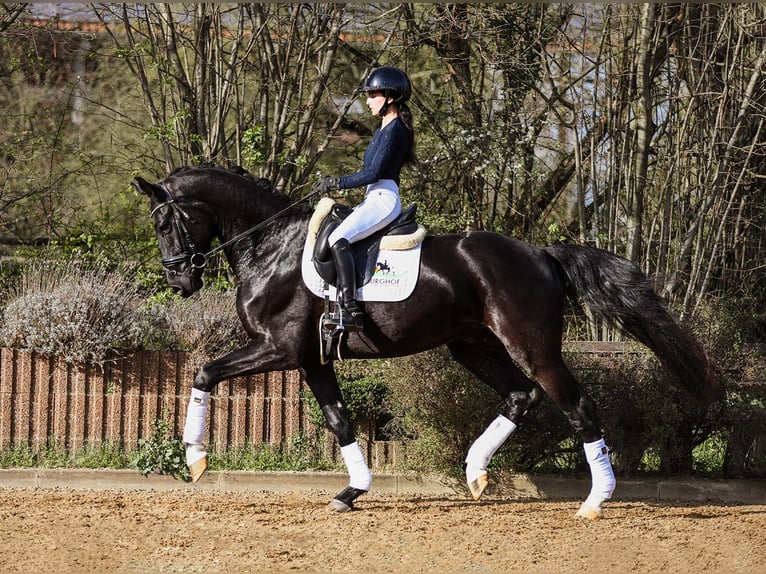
<point>323,383</point>
<point>256,357</point>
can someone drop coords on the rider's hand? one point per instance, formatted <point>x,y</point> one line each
<point>325,184</point>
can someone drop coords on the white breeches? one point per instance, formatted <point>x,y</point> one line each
<point>381,205</point>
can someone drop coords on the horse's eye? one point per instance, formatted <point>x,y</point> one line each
<point>164,228</point>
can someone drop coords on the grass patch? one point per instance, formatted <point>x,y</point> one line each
<point>708,456</point>
<point>106,455</point>
<point>299,454</point>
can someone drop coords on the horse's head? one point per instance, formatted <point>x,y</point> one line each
<point>185,230</point>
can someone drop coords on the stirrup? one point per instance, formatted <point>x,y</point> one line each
<point>348,321</point>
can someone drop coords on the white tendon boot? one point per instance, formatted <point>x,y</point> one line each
<point>481,451</point>
<point>602,477</point>
<point>194,433</point>
<point>359,473</point>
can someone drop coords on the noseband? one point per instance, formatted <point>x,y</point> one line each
<point>196,259</point>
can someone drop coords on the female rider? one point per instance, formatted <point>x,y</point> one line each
<point>393,145</point>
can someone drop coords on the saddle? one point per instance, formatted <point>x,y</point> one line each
<point>365,251</point>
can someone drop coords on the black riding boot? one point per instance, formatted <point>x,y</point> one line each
<point>352,315</point>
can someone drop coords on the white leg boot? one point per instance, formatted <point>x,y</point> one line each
<point>194,433</point>
<point>481,452</point>
<point>602,477</point>
<point>359,473</point>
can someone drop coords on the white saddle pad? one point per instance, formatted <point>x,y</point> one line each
<point>396,273</point>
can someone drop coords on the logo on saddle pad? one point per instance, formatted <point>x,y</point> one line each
<point>395,271</point>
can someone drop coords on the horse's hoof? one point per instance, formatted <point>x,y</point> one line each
<point>197,469</point>
<point>340,506</point>
<point>196,460</point>
<point>589,513</point>
<point>478,486</point>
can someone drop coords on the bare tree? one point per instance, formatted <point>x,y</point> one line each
<point>189,64</point>
<point>480,63</point>
<point>9,13</point>
<point>718,166</point>
<point>244,83</point>
<point>663,159</point>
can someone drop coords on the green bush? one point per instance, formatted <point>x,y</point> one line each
<point>106,455</point>
<point>365,398</point>
<point>161,453</point>
<point>300,453</point>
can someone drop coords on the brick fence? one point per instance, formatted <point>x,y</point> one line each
<point>44,400</point>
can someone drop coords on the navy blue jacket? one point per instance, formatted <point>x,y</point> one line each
<point>384,157</point>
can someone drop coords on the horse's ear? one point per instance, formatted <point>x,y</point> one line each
<point>145,188</point>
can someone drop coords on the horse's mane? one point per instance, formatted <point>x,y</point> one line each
<point>234,169</point>
<point>261,183</point>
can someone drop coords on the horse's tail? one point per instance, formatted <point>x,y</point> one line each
<point>616,290</point>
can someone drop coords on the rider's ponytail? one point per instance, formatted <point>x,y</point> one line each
<point>405,114</point>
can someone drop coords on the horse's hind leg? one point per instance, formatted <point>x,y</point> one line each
<point>323,383</point>
<point>579,408</point>
<point>488,360</point>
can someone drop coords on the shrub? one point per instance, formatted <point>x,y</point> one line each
<point>299,453</point>
<point>161,453</point>
<point>641,412</point>
<point>206,325</point>
<point>81,314</point>
<point>106,455</point>
<point>85,313</point>
<point>364,397</point>
<point>438,409</point>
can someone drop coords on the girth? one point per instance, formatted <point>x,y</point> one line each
<point>365,250</point>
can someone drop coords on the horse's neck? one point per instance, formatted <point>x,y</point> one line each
<point>238,214</point>
<point>277,245</point>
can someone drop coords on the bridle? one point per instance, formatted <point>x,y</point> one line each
<point>198,260</point>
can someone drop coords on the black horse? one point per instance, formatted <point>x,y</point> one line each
<point>496,302</point>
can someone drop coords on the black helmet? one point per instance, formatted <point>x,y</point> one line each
<point>392,82</point>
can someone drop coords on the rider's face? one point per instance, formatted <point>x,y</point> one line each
<point>375,101</point>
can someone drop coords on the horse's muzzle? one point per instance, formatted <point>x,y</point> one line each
<point>184,284</point>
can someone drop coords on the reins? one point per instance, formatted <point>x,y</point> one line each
<point>199,260</point>
<point>260,225</point>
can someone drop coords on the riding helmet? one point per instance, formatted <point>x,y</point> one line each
<point>392,82</point>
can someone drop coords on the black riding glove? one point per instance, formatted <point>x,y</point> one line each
<point>325,184</point>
